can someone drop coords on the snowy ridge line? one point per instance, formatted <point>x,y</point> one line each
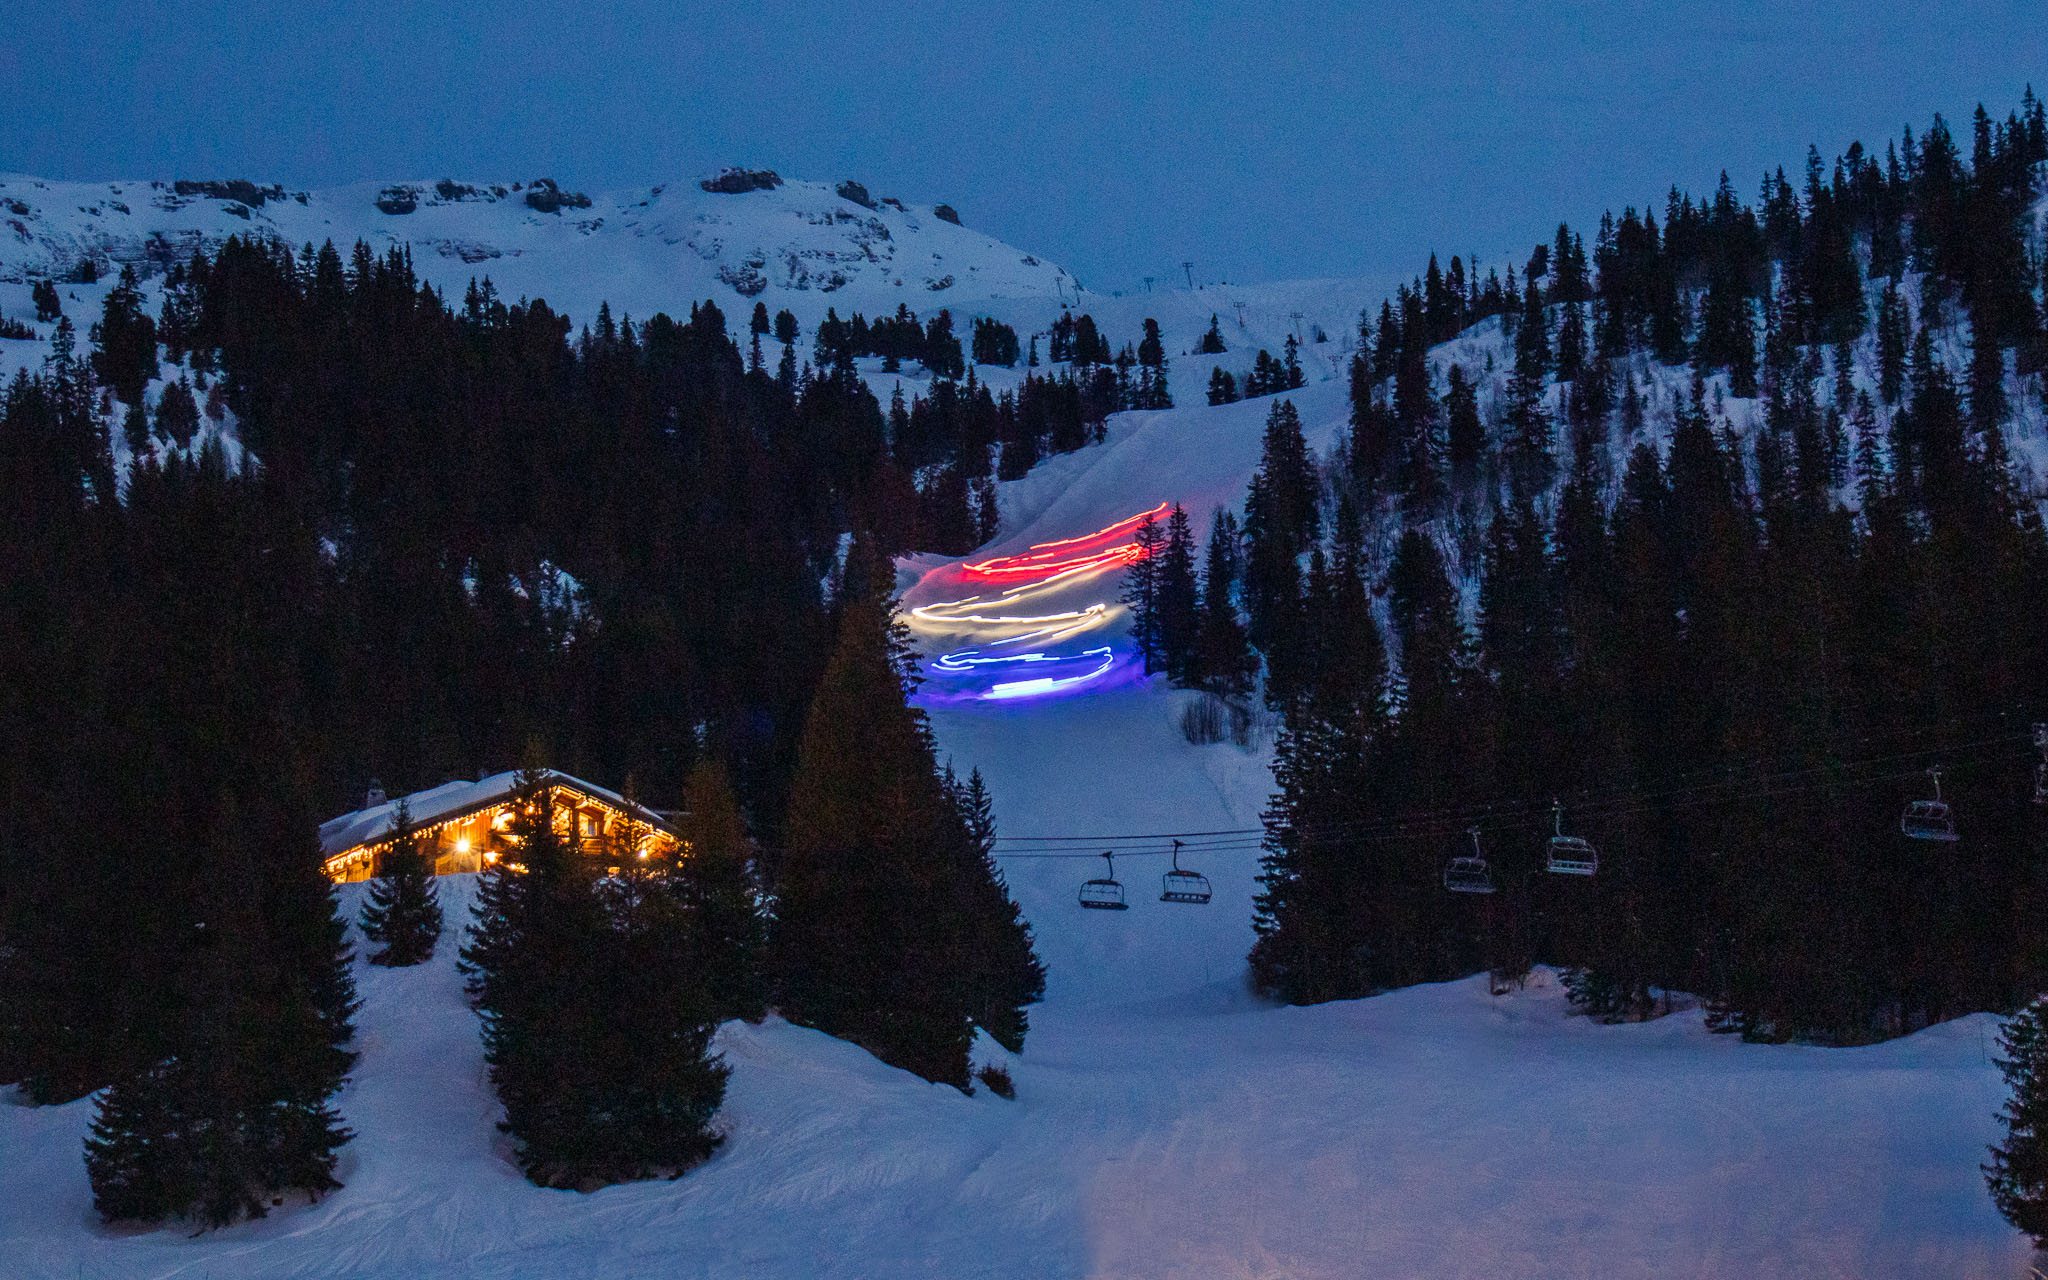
<point>1610,805</point>
<point>801,245</point>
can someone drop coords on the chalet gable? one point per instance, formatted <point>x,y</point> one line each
<point>465,824</point>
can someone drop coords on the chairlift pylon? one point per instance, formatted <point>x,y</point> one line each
<point>1568,855</point>
<point>1104,893</point>
<point>1929,819</point>
<point>1183,886</point>
<point>2041,769</point>
<point>1469,873</point>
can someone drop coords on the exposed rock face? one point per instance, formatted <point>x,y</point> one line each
<point>237,189</point>
<point>737,182</point>
<point>945,211</point>
<point>545,197</point>
<point>854,191</point>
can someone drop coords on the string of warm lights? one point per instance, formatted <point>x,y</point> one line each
<point>497,817</point>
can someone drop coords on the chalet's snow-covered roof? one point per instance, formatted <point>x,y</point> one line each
<point>424,808</point>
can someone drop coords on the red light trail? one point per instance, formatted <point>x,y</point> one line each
<point>1048,559</point>
<point>1044,568</point>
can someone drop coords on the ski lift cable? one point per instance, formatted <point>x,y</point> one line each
<point>1535,813</point>
<point>1437,824</point>
<point>1439,833</point>
<point>1733,775</point>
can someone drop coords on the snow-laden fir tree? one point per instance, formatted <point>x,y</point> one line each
<point>402,911</point>
<point>891,930</point>
<point>1012,978</point>
<point>239,1109</point>
<point>2018,1173</point>
<point>597,1039</point>
<point>1141,593</point>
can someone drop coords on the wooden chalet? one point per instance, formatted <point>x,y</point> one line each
<point>468,825</point>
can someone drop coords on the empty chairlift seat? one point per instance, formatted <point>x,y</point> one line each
<point>1929,819</point>
<point>1104,893</point>
<point>1183,886</point>
<point>1568,855</point>
<point>1469,874</point>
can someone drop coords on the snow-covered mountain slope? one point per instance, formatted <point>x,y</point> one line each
<point>1172,1129</point>
<point>800,245</point>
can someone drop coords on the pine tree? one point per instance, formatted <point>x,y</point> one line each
<point>1282,521</point>
<point>724,921</point>
<point>988,518</point>
<point>1571,343</point>
<point>1005,977</point>
<point>597,1040</point>
<point>882,933</point>
<point>1211,344</point>
<point>940,352</point>
<point>124,341</point>
<point>1178,599</point>
<point>1320,917</point>
<point>177,413</point>
<point>1141,591</point>
<point>2018,1173</point>
<point>239,1109</point>
<point>1223,661</point>
<point>1892,334</point>
<point>1222,387</point>
<point>1419,476</point>
<point>1151,347</point>
<point>1870,475</point>
<point>402,912</point>
<point>1465,443</point>
<point>48,306</point>
<point>1988,407</point>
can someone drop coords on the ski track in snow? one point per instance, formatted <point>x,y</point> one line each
<point>1167,1123</point>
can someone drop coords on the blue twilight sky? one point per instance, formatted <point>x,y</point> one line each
<point>1262,141</point>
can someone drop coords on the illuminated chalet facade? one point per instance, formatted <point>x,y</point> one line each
<point>466,826</point>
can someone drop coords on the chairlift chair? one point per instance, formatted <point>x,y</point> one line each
<point>1183,886</point>
<point>1104,893</point>
<point>1929,819</point>
<point>1568,855</point>
<point>1469,874</point>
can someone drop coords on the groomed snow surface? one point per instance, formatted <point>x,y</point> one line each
<point>1166,1124</point>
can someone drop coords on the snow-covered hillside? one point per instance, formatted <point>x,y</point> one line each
<point>1166,1124</point>
<point>800,245</point>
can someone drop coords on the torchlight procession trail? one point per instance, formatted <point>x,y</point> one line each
<point>973,673</point>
